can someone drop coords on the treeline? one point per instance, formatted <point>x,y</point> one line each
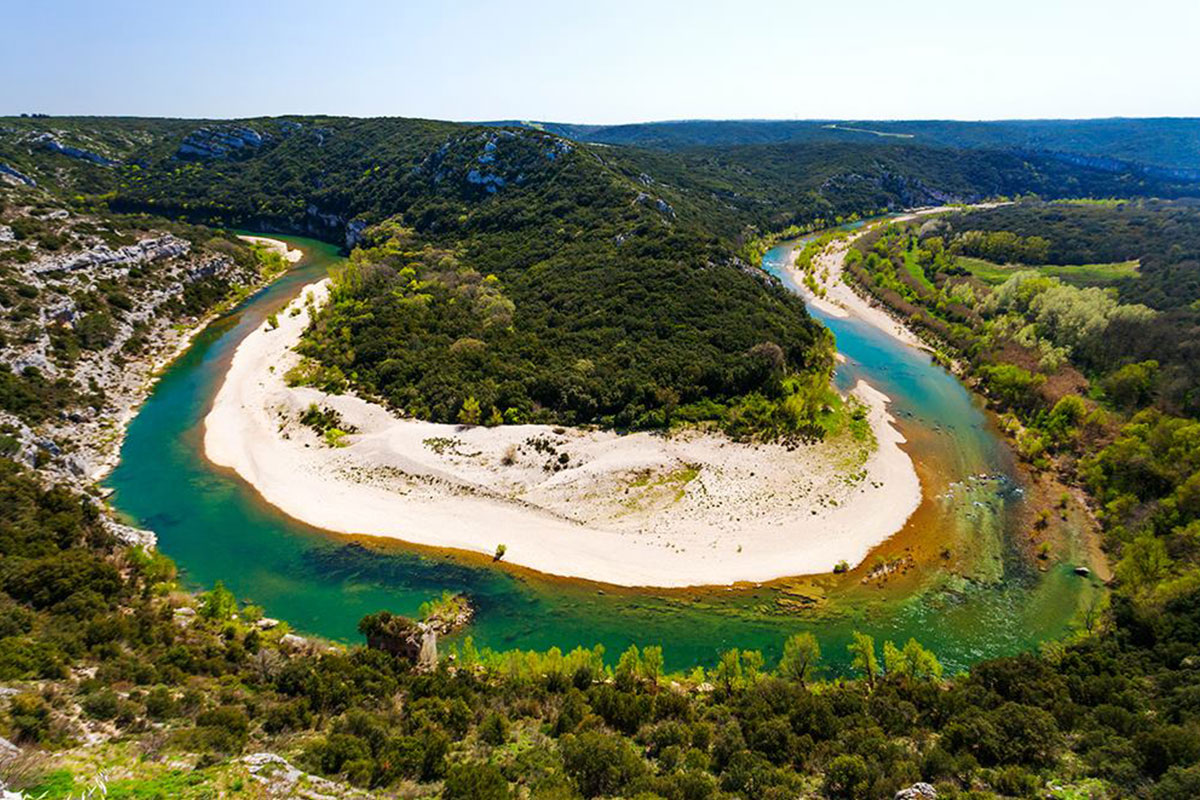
<point>1164,236</point>
<point>1003,247</point>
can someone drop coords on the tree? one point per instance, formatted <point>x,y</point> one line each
<point>847,777</point>
<point>801,652</point>
<point>218,603</point>
<point>600,763</point>
<point>862,648</point>
<point>652,664</point>
<point>729,670</point>
<point>1132,385</point>
<point>629,665</point>
<point>752,664</point>
<point>469,414</point>
<point>913,662</point>
<point>1143,562</point>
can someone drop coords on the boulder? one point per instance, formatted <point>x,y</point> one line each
<point>918,791</point>
<point>293,642</point>
<point>129,535</point>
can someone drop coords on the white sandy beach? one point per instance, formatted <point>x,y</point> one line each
<point>840,300</point>
<point>635,510</point>
<point>292,254</point>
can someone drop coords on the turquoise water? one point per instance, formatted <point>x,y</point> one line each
<point>215,528</point>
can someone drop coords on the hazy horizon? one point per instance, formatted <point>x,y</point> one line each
<point>623,63</point>
<point>585,123</point>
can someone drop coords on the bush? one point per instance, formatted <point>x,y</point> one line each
<point>600,763</point>
<point>475,782</point>
<point>847,777</point>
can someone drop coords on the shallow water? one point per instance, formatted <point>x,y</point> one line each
<point>986,601</point>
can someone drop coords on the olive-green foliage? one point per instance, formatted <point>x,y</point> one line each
<point>1119,702</point>
<point>580,334</point>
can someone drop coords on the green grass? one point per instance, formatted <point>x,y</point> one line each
<point>914,269</point>
<point>1081,275</point>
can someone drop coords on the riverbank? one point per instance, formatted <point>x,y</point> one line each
<point>839,299</point>
<point>1080,540</point>
<point>140,374</point>
<point>289,253</point>
<point>641,509</point>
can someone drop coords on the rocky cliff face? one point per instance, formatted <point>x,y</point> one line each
<point>89,310</point>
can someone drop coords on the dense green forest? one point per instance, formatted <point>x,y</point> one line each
<point>1164,237</point>
<point>615,290</point>
<point>629,336</point>
<point>1168,143</point>
<point>194,682</point>
<point>316,174</point>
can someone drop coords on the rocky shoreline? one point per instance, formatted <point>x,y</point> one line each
<point>117,346</point>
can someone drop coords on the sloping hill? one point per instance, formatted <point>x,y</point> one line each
<point>1168,143</point>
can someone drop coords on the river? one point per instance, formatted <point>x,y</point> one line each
<point>968,595</point>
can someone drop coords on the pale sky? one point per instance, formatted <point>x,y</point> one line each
<point>607,61</point>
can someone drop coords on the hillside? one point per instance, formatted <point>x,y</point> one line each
<point>316,174</point>
<point>601,284</point>
<point>91,305</point>
<point>1169,144</point>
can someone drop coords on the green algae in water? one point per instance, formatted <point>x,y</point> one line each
<point>216,527</point>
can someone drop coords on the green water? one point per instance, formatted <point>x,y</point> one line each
<point>215,527</point>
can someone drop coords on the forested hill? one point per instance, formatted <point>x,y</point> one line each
<point>1169,143</point>
<point>555,280</point>
<point>316,174</point>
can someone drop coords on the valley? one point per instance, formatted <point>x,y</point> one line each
<point>714,411</point>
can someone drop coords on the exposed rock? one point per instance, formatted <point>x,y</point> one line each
<point>1117,165</point>
<point>280,779</point>
<point>918,791</point>
<point>51,142</point>
<point>415,641</point>
<point>427,657</point>
<point>210,143</point>
<point>7,749</point>
<point>1083,572</point>
<point>266,624</point>
<point>129,535</point>
<point>489,181</point>
<point>908,191</point>
<point>661,205</point>
<point>293,642</point>
<point>153,249</point>
<point>12,174</point>
<point>354,230</point>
